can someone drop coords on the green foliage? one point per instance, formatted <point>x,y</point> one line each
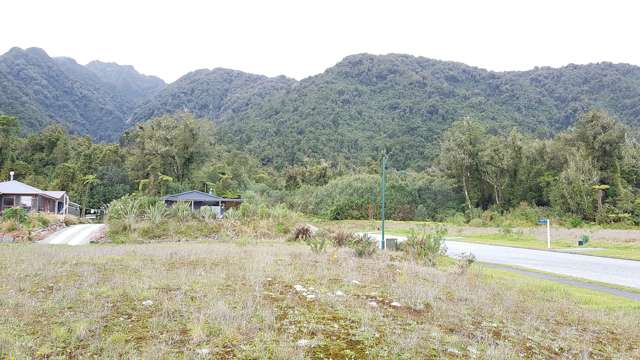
<point>207,214</point>
<point>156,212</point>
<point>426,246</point>
<point>584,238</point>
<point>17,215</point>
<point>318,243</point>
<point>182,211</point>
<point>462,143</point>
<point>357,197</point>
<point>126,211</point>
<point>91,99</point>
<point>166,149</point>
<point>363,246</point>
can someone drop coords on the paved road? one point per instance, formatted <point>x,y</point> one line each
<point>595,268</point>
<point>73,235</point>
<point>607,270</point>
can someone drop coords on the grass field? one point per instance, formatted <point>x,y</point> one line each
<point>272,299</point>
<point>623,244</point>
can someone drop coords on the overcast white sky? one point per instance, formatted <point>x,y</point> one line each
<point>302,38</point>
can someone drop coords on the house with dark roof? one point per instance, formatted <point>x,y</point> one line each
<point>198,199</point>
<point>14,193</point>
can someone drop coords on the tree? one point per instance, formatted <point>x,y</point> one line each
<point>601,138</point>
<point>9,130</point>
<point>88,181</point>
<point>170,146</point>
<point>459,153</point>
<point>573,189</point>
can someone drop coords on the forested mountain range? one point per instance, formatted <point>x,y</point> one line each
<point>97,99</point>
<point>345,114</point>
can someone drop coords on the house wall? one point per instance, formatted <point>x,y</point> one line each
<point>30,202</point>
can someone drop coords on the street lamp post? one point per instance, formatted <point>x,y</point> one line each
<point>385,155</point>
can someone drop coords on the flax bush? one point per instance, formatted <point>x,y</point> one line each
<point>207,214</point>
<point>156,212</point>
<point>318,243</point>
<point>426,246</point>
<point>181,211</point>
<point>125,210</point>
<point>363,246</point>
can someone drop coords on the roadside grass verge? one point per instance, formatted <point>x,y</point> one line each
<point>281,301</point>
<point>553,291</point>
<point>618,248</point>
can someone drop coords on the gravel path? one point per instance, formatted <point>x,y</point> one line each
<point>74,235</point>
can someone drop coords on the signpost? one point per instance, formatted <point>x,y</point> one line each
<point>548,223</point>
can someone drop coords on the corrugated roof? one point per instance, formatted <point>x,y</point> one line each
<point>18,188</point>
<point>196,195</point>
<point>54,194</point>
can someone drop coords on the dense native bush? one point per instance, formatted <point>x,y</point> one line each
<point>408,196</point>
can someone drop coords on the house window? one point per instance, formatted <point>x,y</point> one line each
<point>25,201</point>
<point>7,201</point>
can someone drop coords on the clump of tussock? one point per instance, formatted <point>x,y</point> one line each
<point>301,233</point>
<point>342,238</point>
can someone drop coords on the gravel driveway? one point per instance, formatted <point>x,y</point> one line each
<point>74,235</point>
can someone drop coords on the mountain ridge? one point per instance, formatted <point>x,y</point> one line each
<point>346,113</point>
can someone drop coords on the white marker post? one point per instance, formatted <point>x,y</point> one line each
<point>548,233</point>
<point>548,223</point>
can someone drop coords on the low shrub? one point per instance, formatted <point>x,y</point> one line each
<point>426,246</point>
<point>10,226</point>
<point>41,220</point>
<point>363,246</point>
<point>71,220</point>
<point>464,263</point>
<point>17,215</point>
<point>152,231</point>
<point>506,229</point>
<point>456,219</point>
<point>125,210</point>
<point>318,243</point>
<point>342,238</point>
<point>207,214</point>
<point>282,228</point>
<point>181,211</point>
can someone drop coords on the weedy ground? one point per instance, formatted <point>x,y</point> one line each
<point>618,243</point>
<point>277,300</point>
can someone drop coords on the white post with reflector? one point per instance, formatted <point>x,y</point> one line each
<point>548,233</point>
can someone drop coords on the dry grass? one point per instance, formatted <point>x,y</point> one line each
<point>619,243</point>
<point>223,300</point>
